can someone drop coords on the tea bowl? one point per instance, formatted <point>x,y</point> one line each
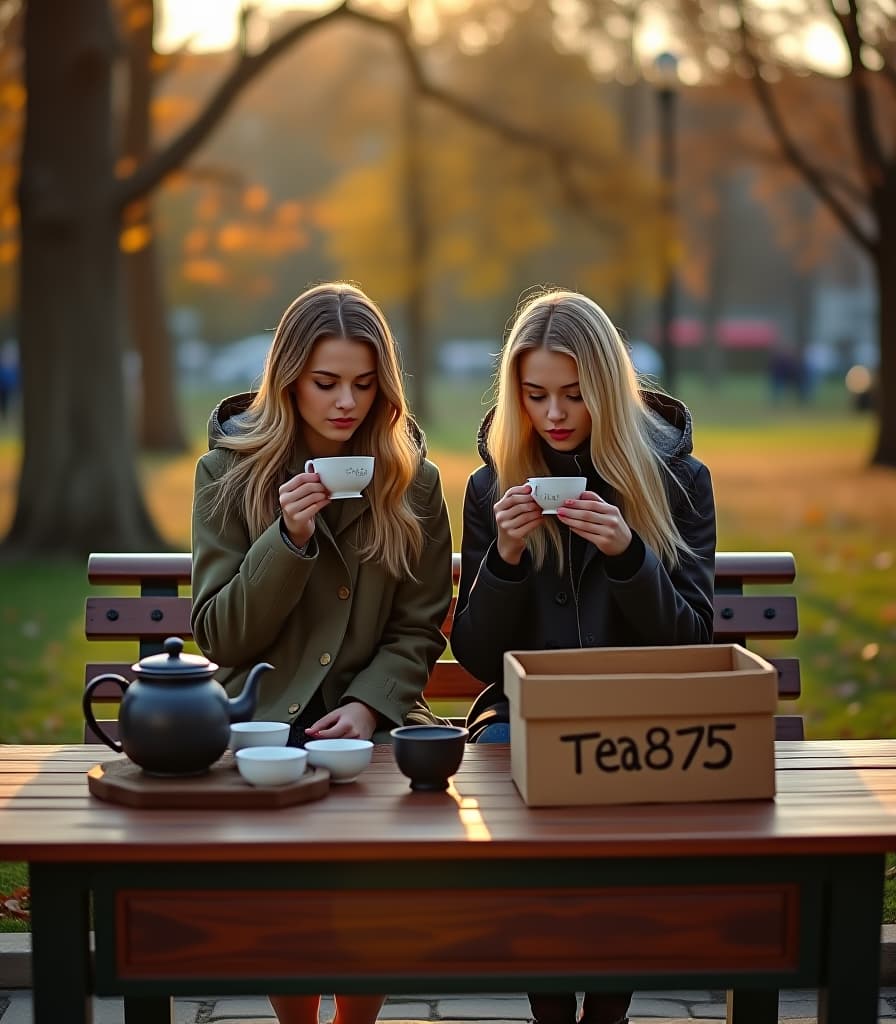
<point>429,754</point>
<point>271,766</point>
<point>344,759</point>
<point>258,734</point>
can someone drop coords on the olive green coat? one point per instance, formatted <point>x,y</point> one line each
<point>326,619</point>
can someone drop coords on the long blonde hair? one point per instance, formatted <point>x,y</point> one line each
<point>392,534</point>
<point>621,451</point>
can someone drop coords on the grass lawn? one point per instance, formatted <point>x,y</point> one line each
<point>786,477</point>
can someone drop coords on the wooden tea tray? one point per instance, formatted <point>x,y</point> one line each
<point>222,786</point>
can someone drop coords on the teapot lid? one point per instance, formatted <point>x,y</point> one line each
<point>175,663</point>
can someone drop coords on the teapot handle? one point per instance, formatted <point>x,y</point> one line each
<point>88,709</point>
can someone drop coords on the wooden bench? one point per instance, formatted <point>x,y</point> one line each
<point>161,608</point>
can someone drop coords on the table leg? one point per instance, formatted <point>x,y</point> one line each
<point>60,944</point>
<point>148,1010</point>
<point>752,1006</point>
<point>853,970</point>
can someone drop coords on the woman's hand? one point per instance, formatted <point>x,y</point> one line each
<point>517,515</point>
<point>301,498</point>
<point>600,523</point>
<point>353,720</point>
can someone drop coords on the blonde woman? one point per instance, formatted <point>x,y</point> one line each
<point>628,562</point>
<point>344,597</point>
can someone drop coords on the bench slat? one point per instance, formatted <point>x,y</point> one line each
<point>789,727</point>
<point>133,618</point>
<point>789,685</point>
<point>449,681</point>
<point>137,618</point>
<point>133,569</point>
<point>754,615</point>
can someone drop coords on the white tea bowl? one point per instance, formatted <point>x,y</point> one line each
<point>344,759</point>
<point>271,766</point>
<point>344,476</point>
<point>258,734</point>
<point>551,491</point>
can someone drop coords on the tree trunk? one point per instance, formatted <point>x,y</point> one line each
<point>160,421</point>
<point>885,387</point>
<point>78,490</point>
<point>418,254</point>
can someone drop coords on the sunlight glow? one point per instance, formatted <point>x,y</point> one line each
<point>470,816</point>
<point>824,50</point>
<point>213,24</point>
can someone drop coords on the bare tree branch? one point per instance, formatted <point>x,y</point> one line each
<point>848,187</point>
<point>793,153</point>
<point>145,178</point>
<point>871,156</point>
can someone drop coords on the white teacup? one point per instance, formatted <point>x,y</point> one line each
<point>551,491</point>
<point>344,476</point>
<point>258,734</point>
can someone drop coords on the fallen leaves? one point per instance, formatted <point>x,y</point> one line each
<point>16,904</point>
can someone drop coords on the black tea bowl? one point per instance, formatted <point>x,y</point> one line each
<point>429,754</point>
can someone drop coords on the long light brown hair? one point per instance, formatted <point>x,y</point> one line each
<point>392,534</point>
<point>621,451</point>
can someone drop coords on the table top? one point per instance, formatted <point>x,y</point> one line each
<point>833,796</point>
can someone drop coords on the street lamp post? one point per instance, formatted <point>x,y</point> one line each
<point>666,67</point>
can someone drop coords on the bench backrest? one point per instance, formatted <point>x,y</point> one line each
<point>161,608</point>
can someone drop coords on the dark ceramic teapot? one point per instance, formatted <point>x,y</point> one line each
<point>174,718</point>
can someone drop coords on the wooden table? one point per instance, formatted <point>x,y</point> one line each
<point>376,888</point>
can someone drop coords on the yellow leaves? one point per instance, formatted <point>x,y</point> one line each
<point>134,238</point>
<point>125,166</point>
<point>255,198</point>
<point>196,241</point>
<point>267,240</point>
<point>232,237</point>
<point>138,16</point>
<point>455,250</point>
<point>9,217</point>
<point>205,271</point>
<point>209,206</point>
<point>170,109</point>
<point>13,95</point>
<point>289,212</point>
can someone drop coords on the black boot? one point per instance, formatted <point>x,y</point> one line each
<point>553,1007</point>
<point>605,1008</point>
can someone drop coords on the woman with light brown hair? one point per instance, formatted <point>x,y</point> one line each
<point>345,597</point>
<point>629,561</point>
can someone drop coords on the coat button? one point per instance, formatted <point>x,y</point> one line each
<point>343,593</point>
<point>589,638</point>
<point>561,597</point>
<point>325,659</point>
<point>294,708</point>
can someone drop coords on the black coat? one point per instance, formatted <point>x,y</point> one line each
<point>501,608</point>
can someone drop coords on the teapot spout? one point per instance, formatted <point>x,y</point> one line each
<point>242,708</point>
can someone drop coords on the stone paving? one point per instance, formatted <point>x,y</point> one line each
<point>795,1007</point>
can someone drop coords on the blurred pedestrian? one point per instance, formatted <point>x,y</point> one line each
<point>9,377</point>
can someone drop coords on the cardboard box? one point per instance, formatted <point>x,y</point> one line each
<point>615,725</point>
